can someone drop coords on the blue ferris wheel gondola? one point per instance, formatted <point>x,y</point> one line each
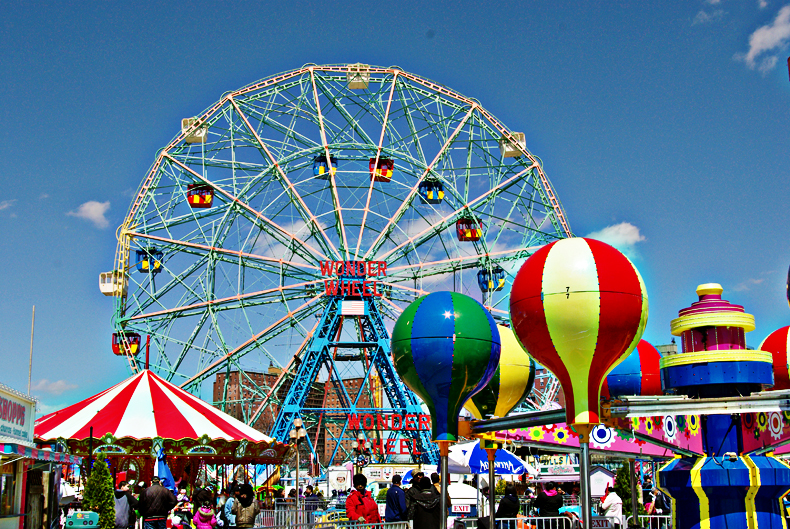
<point>491,280</point>
<point>321,168</point>
<point>149,260</point>
<point>431,192</point>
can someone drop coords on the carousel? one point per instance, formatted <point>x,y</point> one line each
<point>131,423</point>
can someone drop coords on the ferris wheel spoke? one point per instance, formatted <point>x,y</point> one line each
<point>278,231</point>
<point>262,335</point>
<point>338,210</point>
<point>445,266</point>
<point>378,156</point>
<point>273,391</point>
<point>177,280</point>
<point>444,223</point>
<point>188,345</point>
<point>270,262</point>
<point>410,197</point>
<point>343,111</point>
<point>262,297</point>
<point>307,214</point>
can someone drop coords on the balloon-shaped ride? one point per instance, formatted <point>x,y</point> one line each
<point>777,343</point>
<point>579,306</point>
<point>446,348</point>
<point>511,383</point>
<point>638,374</point>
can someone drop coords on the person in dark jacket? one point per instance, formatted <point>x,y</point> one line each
<point>124,509</point>
<point>508,507</point>
<point>156,505</point>
<point>427,508</point>
<point>200,495</point>
<point>412,491</point>
<point>549,500</point>
<point>396,502</point>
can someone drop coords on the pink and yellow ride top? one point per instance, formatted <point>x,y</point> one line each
<point>714,356</point>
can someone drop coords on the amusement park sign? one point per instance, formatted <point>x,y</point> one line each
<point>348,270</point>
<point>17,412</point>
<point>391,422</point>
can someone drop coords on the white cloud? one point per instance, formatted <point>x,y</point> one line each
<point>42,196</point>
<point>747,285</point>
<point>766,40</point>
<point>5,204</point>
<point>55,388</point>
<point>762,4</point>
<point>703,17</point>
<point>94,212</point>
<point>713,2</point>
<point>623,236</point>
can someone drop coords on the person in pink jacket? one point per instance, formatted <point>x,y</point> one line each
<point>204,517</point>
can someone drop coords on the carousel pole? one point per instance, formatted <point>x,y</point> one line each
<point>90,453</point>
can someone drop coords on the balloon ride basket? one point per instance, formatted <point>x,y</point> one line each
<point>738,491</point>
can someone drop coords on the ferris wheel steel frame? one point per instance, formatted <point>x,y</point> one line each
<point>303,298</point>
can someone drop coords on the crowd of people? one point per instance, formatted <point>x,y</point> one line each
<point>234,507</point>
<point>420,503</point>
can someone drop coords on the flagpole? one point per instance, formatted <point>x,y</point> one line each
<point>30,365</point>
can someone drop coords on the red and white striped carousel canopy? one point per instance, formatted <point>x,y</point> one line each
<point>144,407</point>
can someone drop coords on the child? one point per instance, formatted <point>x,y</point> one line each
<point>204,517</point>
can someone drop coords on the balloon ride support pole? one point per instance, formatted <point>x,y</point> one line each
<point>444,451</point>
<point>491,452</point>
<point>584,481</point>
<point>584,470</point>
<point>634,498</point>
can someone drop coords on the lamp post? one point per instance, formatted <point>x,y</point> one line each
<point>297,434</point>
<point>359,451</point>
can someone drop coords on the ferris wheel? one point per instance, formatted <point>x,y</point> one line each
<point>261,203</point>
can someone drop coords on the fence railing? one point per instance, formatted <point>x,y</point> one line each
<point>283,518</point>
<point>342,524</point>
<point>651,521</point>
<point>524,522</point>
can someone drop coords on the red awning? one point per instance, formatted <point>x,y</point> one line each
<point>35,453</point>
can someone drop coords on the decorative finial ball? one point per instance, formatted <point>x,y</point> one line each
<point>446,348</point>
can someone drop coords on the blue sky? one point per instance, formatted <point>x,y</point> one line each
<point>662,126</point>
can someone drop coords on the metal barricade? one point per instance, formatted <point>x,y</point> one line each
<point>283,518</point>
<point>651,521</point>
<point>524,522</point>
<point>343,524</point>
